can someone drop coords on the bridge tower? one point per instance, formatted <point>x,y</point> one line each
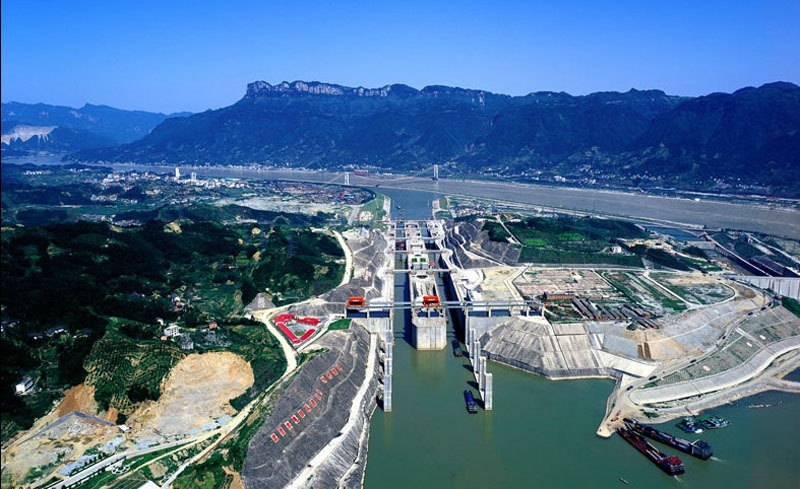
<point>347,178</point>
<point>435,172</point>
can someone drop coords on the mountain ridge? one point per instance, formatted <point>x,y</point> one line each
<point>635,138</point>
<point>103,121</point>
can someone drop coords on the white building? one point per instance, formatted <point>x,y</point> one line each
<point>24,385</point>
<point>172,331</point>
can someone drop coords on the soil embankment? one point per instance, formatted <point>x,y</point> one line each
<point>312,421</point>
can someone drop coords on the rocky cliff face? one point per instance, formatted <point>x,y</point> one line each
<point>285,89</point>
<point>25,132</point>
<point>24,139</point>
<point>115,126</point>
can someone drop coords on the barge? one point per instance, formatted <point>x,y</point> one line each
<point>472,406</point>
<point>697,448</point>
<point>457,352</point>
<point>669,464</point>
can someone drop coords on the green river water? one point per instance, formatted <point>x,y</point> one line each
<point>541,433</point>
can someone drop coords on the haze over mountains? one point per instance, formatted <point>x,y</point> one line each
<point>747,141</point>
<point>43,128</point>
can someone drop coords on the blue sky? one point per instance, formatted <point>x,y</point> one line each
<point>171,56</point>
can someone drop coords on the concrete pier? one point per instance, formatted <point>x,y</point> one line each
<point>482,372</point>
<point>388,367</point>
<point>487,393</point>
<point>428,333</point>
<point>387,394</point>
<point>482,377</point>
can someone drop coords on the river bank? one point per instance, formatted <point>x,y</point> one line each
<point>769,216</point>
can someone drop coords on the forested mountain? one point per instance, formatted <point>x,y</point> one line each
<point>747,140</point>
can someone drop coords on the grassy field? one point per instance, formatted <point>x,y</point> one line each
<point>569,240</point>
<point>444,208</point>
<point>339,324</point>
<point>640,292</point>
<point>375,207</point>
<point>792,305</point>
<point>700,293</point>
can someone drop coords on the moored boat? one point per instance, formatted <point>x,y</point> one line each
<point>697,448</point>
<point>472,406</point>
<point>714,422</point>
<point>690,425</point>
<point>670,464</point>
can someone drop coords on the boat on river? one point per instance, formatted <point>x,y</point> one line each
<point>669,464</point>
<point>690,425</point>
<point>697,448</point>
<point>472,406</point>
<point>714,422</point>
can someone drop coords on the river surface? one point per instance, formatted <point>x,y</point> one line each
<point>541,433</point>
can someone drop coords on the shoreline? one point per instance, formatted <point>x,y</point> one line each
<point>780,219</point>
<point>763,380</point>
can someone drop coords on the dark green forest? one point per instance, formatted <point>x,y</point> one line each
<point>91,299</point>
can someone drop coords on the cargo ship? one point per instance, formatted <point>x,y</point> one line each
<point>472,406</point>
<point>457,349</point>
<point>697,448</point>
<point>670,465</point>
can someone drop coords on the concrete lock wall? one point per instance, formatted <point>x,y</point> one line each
<point>429,333</point>
<point>787,287</point>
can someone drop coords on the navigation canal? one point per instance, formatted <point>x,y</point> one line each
<point>541,432</point>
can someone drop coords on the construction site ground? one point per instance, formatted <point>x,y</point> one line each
<point>195,398</point>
